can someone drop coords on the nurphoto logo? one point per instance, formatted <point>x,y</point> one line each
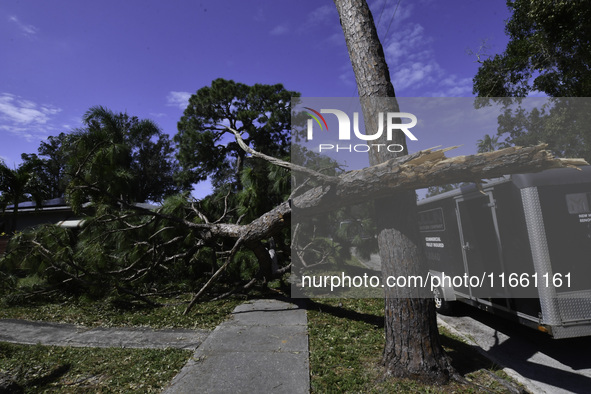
<point>388,125</point>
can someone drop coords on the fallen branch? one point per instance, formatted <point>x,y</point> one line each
<point>214,276</point>
<point>423,169</point>
<point>278,162</point>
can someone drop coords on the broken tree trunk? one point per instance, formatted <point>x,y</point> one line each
<point>423,169</point>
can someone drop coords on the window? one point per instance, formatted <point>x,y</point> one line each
<point>578,203</point>
<point>431,220</point>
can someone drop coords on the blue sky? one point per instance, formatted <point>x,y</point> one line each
<point>59,58</point>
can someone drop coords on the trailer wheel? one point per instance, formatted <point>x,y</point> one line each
<point>441,305</point>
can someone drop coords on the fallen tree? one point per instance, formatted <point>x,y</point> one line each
<point>418,170</point>
<point>159,239</point>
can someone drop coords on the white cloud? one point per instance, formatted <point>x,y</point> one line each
<point>26,118</point>
<point>432,79</point>
<point>17,110</point>
<point>279,30</point>
<point>178,99</point>
<point>410,56</point>
<point>323,14</point>
<point>27,30</point>
<point>414,75</point>
<point>453,86</point>
<point>409,53</point>
<point>21,132</point>
<point>407,43</point>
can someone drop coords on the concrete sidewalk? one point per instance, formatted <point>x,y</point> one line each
<point>262,349</point>
<point>58,334</point>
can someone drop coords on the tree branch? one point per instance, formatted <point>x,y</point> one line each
<point>423,169</point>
<point>281,163</point>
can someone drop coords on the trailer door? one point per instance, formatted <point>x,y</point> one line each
<point>480,241</point>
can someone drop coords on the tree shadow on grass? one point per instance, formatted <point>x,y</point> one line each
<point>14,385</point>
<point>465,358</point>
<point>50,377</point>
<point>345,313</point>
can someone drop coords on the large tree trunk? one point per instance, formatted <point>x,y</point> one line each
<point>412,344</point>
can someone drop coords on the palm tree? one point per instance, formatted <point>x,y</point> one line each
<point>489,144</point>
<point>120,157</point>
<point>16,186</point>
<point>99,164</point>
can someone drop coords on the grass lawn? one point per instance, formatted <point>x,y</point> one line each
<point>116,313</point>
<point>73,370</point>
<point>346,339</point>
<point>56,369</point>
<point>346,344</point>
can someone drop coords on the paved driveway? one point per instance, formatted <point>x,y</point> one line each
<point>548,365</point>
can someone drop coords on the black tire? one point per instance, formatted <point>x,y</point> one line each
<point>441,305</point>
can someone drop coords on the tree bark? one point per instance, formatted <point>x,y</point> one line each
<point>412,348</point>
<point>420,170</point>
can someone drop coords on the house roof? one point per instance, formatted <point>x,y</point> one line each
<point>60,204</point>
<point>54,202</point>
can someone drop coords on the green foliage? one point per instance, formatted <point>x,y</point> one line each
<point>18,185</point>
<point>489,144</point>
<point>50,165</point>
<point>244,187</point>
<point>245,266</point>
<point>354,226</point>
<point>326,240</point>
<point>129,250</point>
<point>562,123</point>
<point>120,253</point>
<point>116,156</point>
<point>261,113</point>
<point>8,282</point>
<point>264,186</point>
<point>40,258</point>
<point>115,161</point>
<point>549,51</point>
